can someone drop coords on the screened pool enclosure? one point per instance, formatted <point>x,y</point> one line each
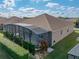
<point>29,33</point>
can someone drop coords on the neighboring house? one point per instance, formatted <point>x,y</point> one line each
<point>14,19</point>
<point>54,28</point>
<point>10,20</point>
<point>2,21</point>
<point>74,53</point>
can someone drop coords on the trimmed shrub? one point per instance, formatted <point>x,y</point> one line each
<point>8,35</point>
<point>30,47</point>
<point>17,40</point>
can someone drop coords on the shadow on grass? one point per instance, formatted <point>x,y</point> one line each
<point>13,54</point>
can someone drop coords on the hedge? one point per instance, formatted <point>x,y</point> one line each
<point>27,45</point>
<point>15,51</point>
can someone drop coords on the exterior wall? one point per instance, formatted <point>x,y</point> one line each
<point>57,35</point>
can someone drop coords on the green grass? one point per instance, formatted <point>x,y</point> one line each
<point>3,54</point>
<point>13,49</point>
<point>62,47</point>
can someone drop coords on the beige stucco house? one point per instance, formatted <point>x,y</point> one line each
<point>59,28</point>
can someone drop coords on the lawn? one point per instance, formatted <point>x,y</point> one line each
<point>12,49</point>
<point>3,54</point>
<point>62,47</point>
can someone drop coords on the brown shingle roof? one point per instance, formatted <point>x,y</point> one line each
<point>39,21</point>
<point>47,22</point>
<point>3,20</point>
<point>56,23</point>
<point>14,20</point>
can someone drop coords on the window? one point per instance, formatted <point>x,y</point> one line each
<point>61,32</point>
<point>54,41</point>
<point>68,30</point>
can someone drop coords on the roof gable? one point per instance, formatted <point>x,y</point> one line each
<point>47,22</point>
<point>40,21</point>
<point>56,23</point>
<point>14,20</point>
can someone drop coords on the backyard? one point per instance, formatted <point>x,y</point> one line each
<point>10,50</point>
<point>62,47</point>
<point>3,54</point>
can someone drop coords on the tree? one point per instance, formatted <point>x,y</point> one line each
<point>43,45</point>
<point>43,48</point>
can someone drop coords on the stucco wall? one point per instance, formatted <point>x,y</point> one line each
<point>57,36</point>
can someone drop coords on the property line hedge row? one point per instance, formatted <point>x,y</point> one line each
<point>15,51</point>
<point>18,40</point>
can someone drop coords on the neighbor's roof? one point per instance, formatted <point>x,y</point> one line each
<point>74,51</point>
<point>14,19</point>
<point>3,20</point>
<point>47,22</point>
<point>10,20</point>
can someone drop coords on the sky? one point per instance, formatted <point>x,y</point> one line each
<point>32,8</point>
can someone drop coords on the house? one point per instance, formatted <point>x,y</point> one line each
<point>14,19</point>
<point>59,28</point>
<point>43,26</point>
<point>74,53</point>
